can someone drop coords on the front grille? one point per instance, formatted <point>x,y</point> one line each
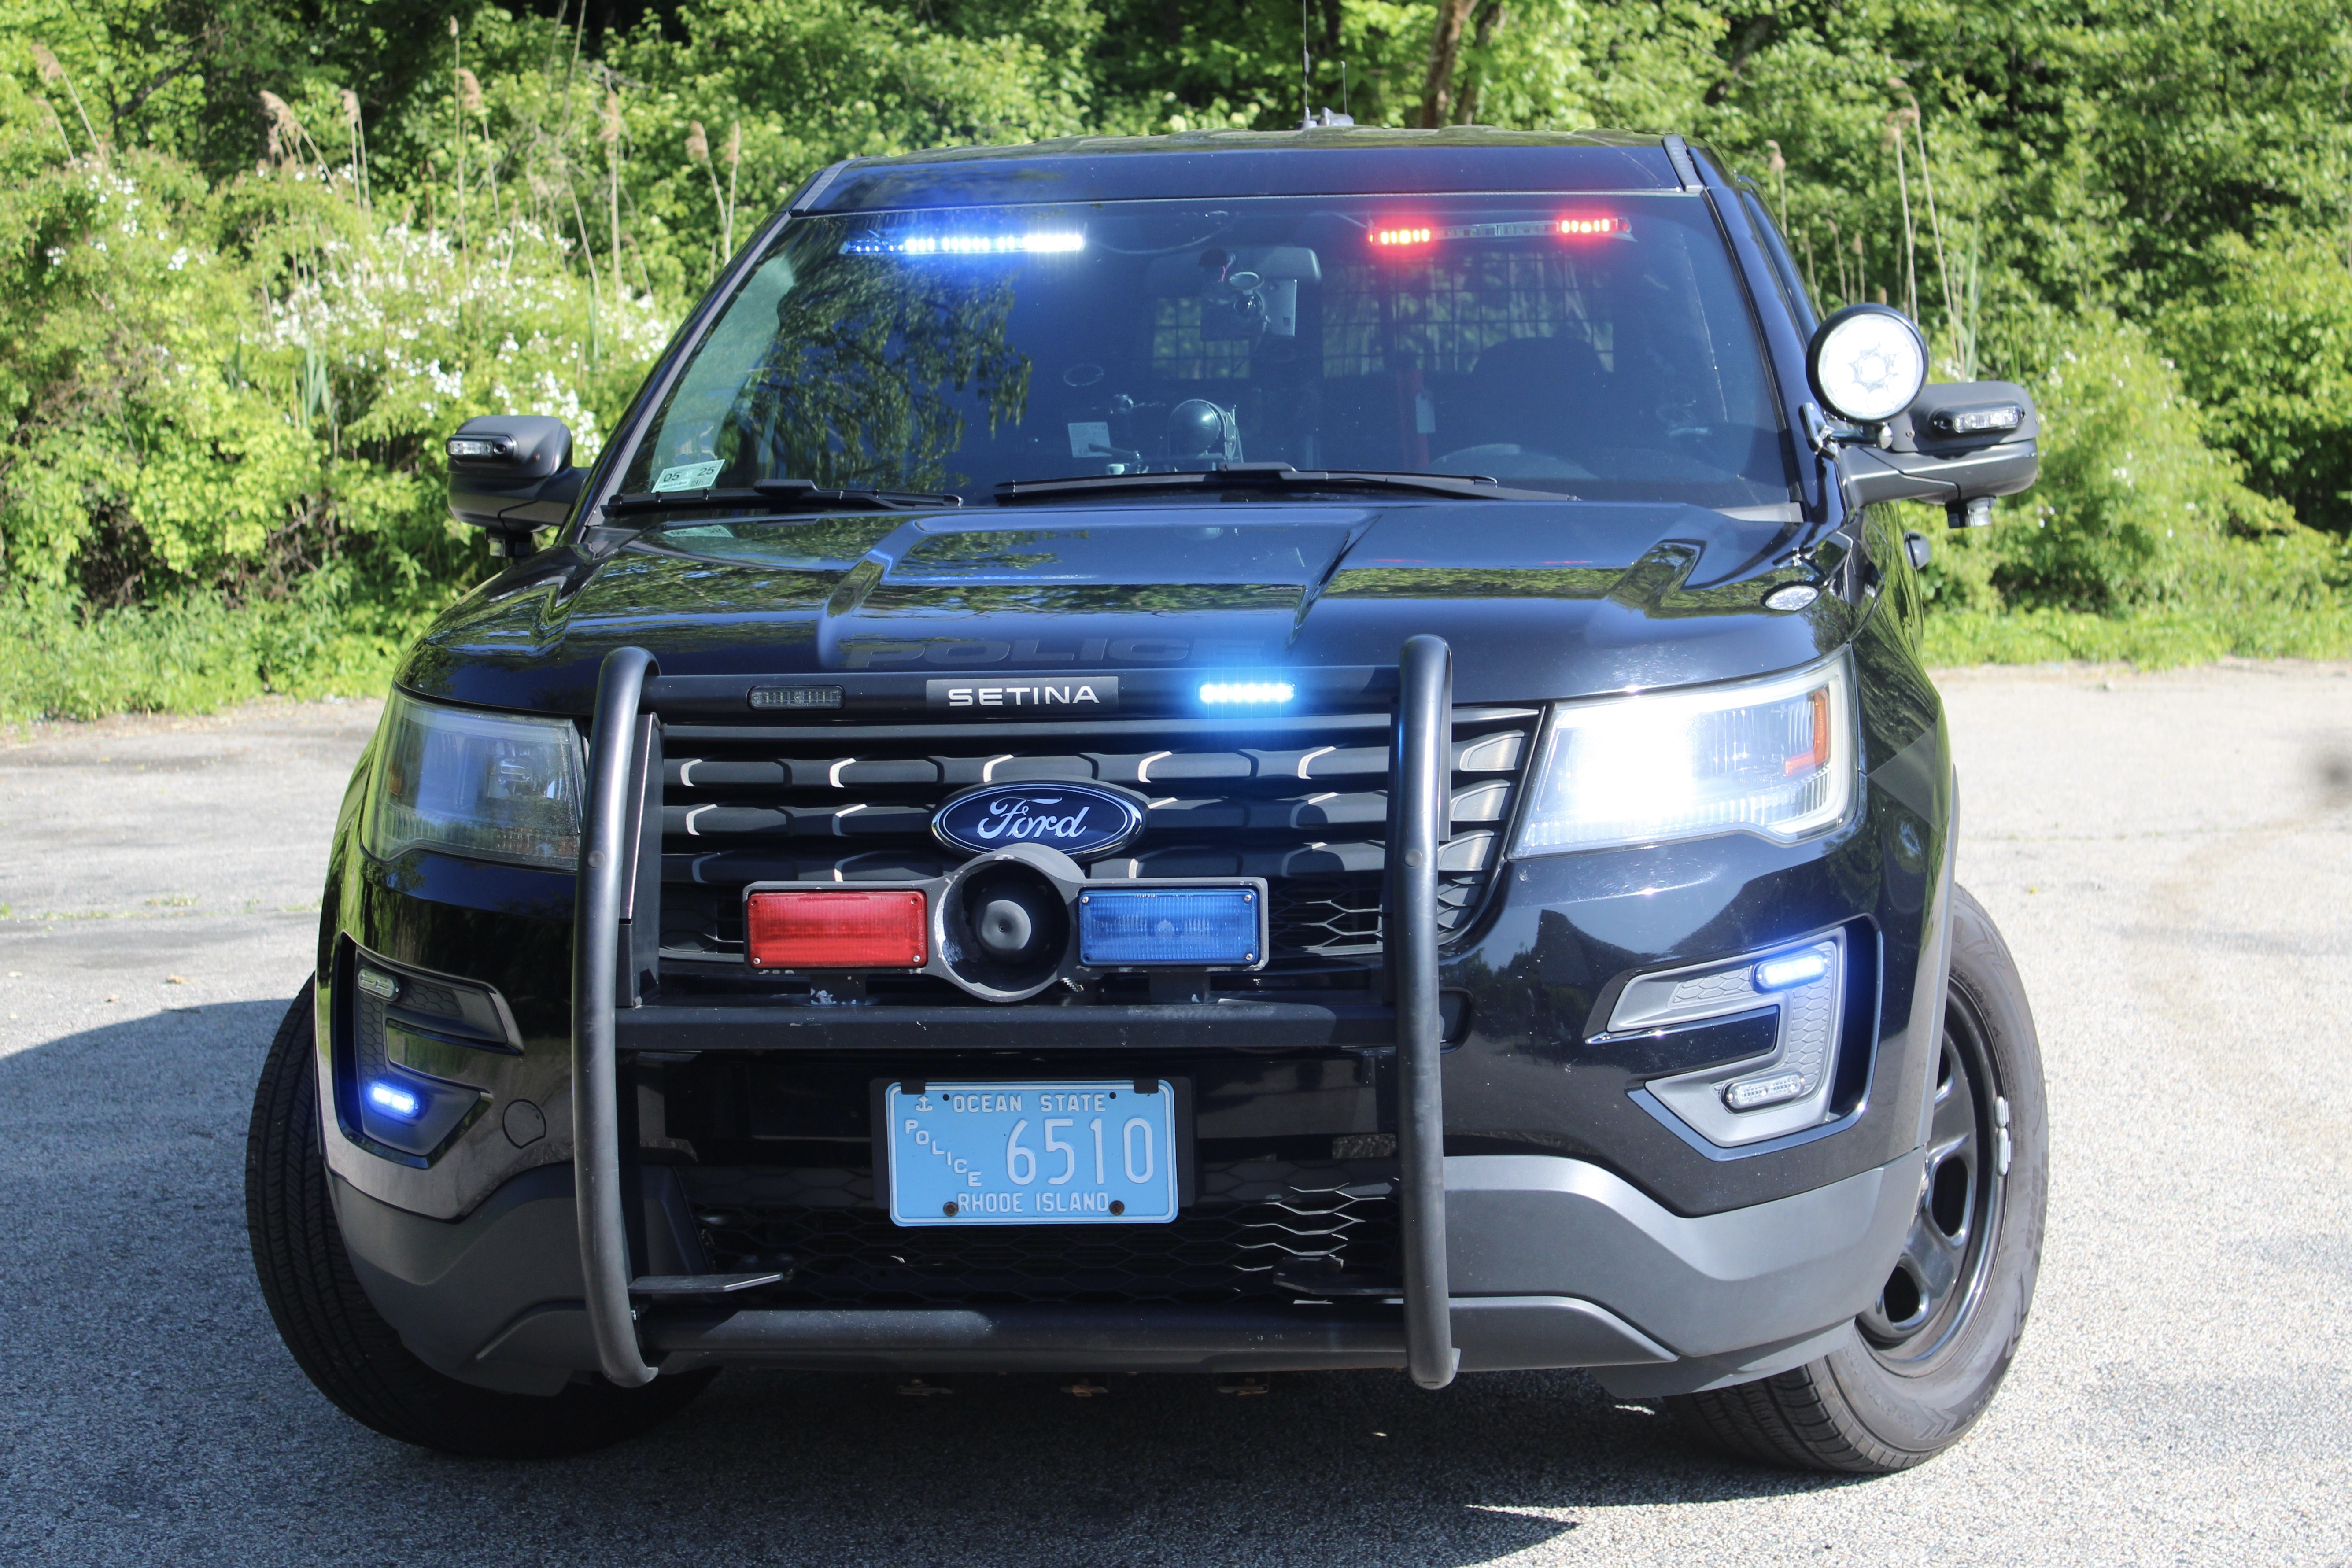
<point>1255,1220</point>
<point>1303,803</point>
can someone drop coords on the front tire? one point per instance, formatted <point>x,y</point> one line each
<point>339,1339</point>
<point>1931,1351</point>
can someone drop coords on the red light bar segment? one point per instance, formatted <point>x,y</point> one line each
<point>859,928</point>
<point>1575,228</point>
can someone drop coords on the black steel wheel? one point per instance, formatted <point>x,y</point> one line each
<point>1929,1352</point>
<point>339,1339</point>
<point>1942,1269</point>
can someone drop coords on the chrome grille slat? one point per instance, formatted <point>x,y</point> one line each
<point>845,803</point>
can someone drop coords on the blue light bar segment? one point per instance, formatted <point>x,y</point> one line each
<point>394,1100</point>
<point>1791,970</point>
<point>1050,243</point>
<point>1194,927</point>
<point>1246,693</point>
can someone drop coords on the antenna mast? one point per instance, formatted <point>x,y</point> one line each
<point>1305,69</point>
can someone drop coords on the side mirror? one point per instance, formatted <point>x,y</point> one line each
<point>511,475</point>
<point>1960,443</point>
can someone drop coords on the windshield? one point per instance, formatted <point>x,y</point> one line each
<point>1595,347</point>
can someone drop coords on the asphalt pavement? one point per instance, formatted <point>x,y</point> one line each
<point>2170,855</point>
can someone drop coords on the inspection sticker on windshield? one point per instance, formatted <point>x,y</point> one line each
<point>1031,1153</point>
<point>688,476</point>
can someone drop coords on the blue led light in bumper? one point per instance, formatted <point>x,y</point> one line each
<point>1782,1089</point>
<point>392,1097</point>
<point>1246,693</point>
<point>1190,926</point>
<point>1792,969</point>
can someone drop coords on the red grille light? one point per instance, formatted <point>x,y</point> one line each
<point>871,929</point>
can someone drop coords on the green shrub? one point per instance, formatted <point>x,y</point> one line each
<point>2141,541</point>
<point>230,340</point>
<point>2269,352</point>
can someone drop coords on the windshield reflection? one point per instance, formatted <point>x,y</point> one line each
<point>1600,349</point>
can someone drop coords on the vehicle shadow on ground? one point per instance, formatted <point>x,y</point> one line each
<point>158,1416</point>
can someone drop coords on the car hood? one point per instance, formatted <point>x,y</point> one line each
<point>1537,600</point>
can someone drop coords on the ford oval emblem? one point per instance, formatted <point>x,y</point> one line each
<point>1081,820</point>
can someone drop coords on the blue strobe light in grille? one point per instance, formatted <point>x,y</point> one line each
<point>1196,927</point>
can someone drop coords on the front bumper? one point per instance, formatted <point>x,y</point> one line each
<point>1579,1229</point>
<point>1552,1262</point>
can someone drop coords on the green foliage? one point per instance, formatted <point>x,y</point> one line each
<point>2135,510</point>
<point>226,389</point>
<point>256,258</point>
<point>2269,352</point>
<point>2156,639</point>
<point>193,654</point>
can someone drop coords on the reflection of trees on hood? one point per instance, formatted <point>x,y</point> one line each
<point>872,365</point>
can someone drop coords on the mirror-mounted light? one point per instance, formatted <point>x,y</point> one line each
<point>518,447</point>
<point>513,476</point>
<point>1867,364</point>
<point>1996,420</point>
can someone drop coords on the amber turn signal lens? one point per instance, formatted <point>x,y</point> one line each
<point>847,930</point>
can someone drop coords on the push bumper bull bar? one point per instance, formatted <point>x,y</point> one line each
<point>618,785</point>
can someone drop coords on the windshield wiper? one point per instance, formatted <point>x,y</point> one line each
<point>1267,476</point>
<point>782,496</point>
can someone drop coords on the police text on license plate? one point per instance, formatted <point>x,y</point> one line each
<point>1031,1153</point>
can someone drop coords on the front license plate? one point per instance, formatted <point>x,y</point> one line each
<point>1031,1153</point>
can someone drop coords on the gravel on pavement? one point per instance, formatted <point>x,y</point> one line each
<point>2169,854</point>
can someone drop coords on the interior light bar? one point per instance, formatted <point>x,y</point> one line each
<point>1256,692</point>
<point>873,928</point>
<point>1571,228</point>
<point>1048,243</point>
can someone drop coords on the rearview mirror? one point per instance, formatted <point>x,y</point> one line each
<point>511,475</point>
<point>1958,444</point>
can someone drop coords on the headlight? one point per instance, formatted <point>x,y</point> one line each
<point>490,787</point>
<point>1774,757</point>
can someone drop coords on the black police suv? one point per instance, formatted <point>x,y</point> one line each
<point>1221,753</point>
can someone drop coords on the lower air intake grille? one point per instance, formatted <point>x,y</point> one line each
<point>1255,1220</point>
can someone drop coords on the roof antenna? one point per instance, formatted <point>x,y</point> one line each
<point>1306,72</point>
<point>1307,119</point>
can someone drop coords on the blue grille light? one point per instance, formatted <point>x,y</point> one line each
<point>1190,926</point>
<point>1251,692</point>
<point>392,1097</point>
<point>1790,970</point>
